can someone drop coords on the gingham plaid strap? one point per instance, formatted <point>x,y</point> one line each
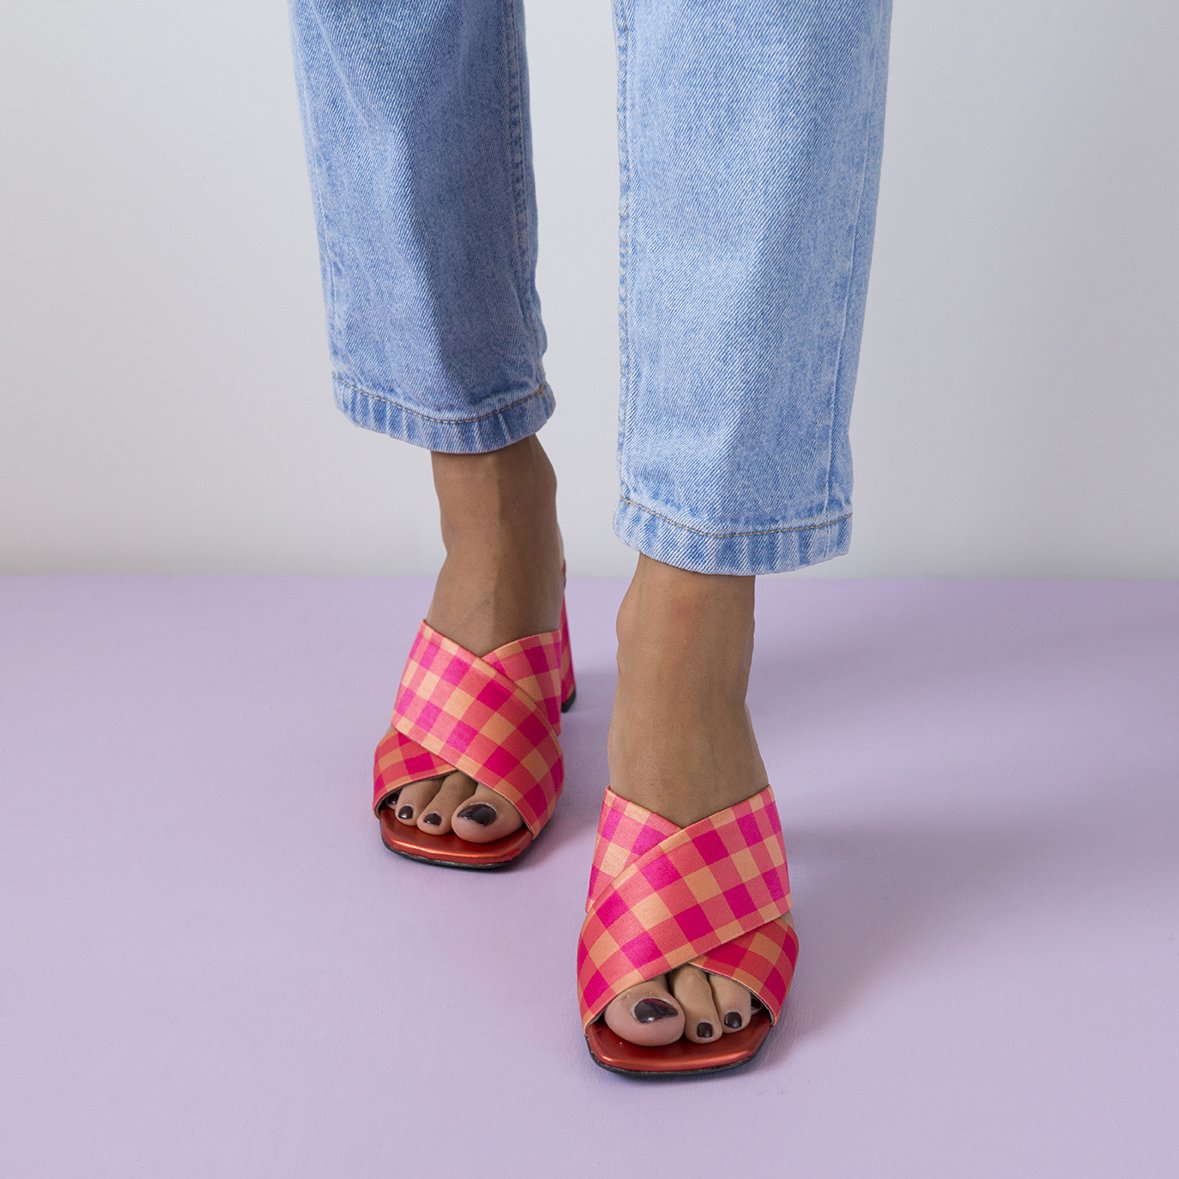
<point>713,893</point>
<point>495,717</point>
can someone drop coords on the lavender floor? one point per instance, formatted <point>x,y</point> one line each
<point>210,966</point>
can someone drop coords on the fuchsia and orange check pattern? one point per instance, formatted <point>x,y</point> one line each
<point>714,893</point>
<point>495,717</point>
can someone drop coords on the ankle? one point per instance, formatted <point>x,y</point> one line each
<point>512,490</point>
<point>499,511</point>
<point>501,578</point>
<point>695,626</point>
<point>681,742</point>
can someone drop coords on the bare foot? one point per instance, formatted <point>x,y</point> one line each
<point>681,744</point>
<point>501,580</point>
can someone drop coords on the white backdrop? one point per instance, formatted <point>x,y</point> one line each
<point>165,402</point>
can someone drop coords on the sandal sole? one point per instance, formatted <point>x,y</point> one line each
<point>449,851</point>
<point>681,1059</point>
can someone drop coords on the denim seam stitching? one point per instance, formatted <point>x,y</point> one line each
<point>626,231</point>
<point>726,535</point>
<point>850,273</point>
<point>519,162</point>
<point>315,171</point>
<point>539,391</point>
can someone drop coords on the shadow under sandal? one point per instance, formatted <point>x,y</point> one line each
<point>714,894</point>
<point>495,717</point>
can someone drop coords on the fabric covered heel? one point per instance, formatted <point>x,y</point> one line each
<point>568,680</point>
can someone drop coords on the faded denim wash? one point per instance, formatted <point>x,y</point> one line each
<point>750,136</point>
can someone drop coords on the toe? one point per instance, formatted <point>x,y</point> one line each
<point>646,1014</point>
<point>732,1001</point>
<point>434,816</point>
<point>689,984</point>
<point>412,799</point>
<point>485,816</point>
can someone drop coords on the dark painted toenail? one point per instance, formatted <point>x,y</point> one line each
<point>434,819</point>
<point>732,1019</point>
<point>704,1030</point>
<point>480,813</point>
<point>394,796</point>
<point>406,812</point>
<point>649,1010</point>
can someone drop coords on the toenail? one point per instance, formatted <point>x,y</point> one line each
<point>394,796</point>
<point>406,812</point>
<point>732,1019</point>
<point>649,1010</point>
<point>434,819</point>
<point>480,813</point>
<point>704,1030</point>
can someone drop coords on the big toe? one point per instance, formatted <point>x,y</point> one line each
<point>647,1014</point>
<point>485,816</point>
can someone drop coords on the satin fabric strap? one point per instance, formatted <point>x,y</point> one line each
<point>714,893</point>
<point>494,717</point>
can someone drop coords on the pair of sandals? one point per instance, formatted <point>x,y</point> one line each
<point>715,894</point>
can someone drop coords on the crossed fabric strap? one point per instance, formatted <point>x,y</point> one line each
<point>495,717</point>
<point>714,893</point>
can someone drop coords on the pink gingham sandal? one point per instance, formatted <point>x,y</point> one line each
<point>495,717</point>
<point>715,893</point>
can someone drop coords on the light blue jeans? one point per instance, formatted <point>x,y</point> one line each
<point>749,141</point>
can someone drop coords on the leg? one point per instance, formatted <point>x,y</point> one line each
<point>750,146</point>
<point>415,114</point>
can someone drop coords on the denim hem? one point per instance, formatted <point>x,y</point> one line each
<point>475,435</point>
<point>769,550</point>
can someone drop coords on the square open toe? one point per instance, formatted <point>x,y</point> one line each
<point>715,894</point>
<point>449,850</point>
<point>684,1058</point>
